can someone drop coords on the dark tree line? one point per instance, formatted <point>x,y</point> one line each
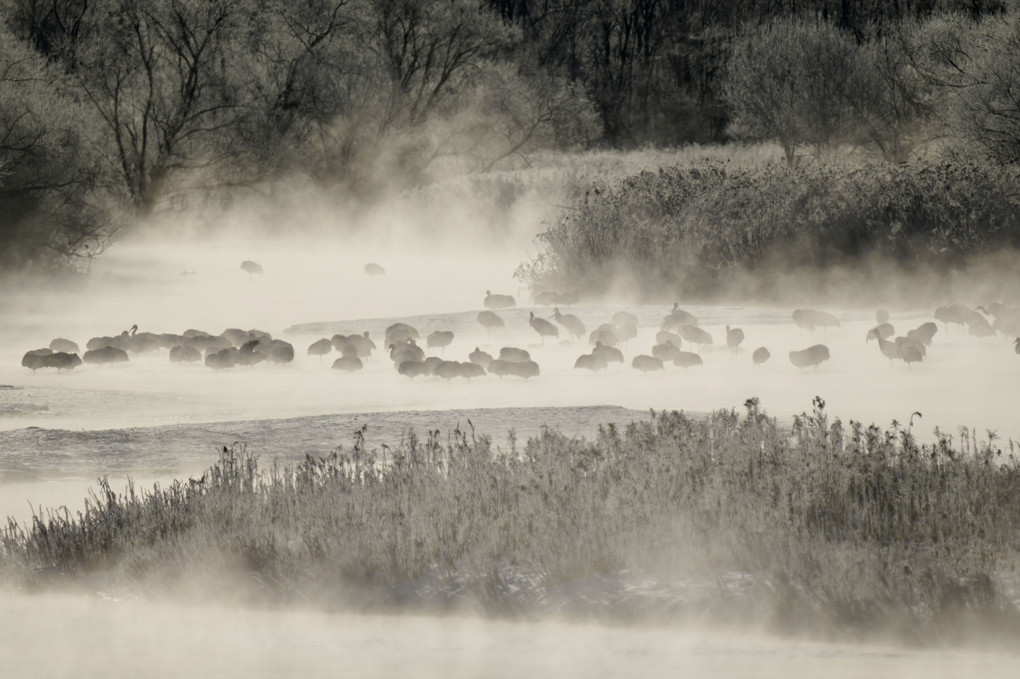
<point>655,67</point>
<point>114,108</point>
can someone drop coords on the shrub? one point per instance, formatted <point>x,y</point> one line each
<point>697,230</point>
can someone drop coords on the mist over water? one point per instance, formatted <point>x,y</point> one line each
<point>312,289</point>
<point>156,421</point>
<point>315,285</point>
<point>115,639</point>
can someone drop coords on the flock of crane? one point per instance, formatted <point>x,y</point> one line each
<point>232,347</point>
<point>678,334</point>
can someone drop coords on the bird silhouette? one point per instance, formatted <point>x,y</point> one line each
<point>489,320</point>
<point>678,318</point>
<point>525,369</point>
<point>348,364</point>
<point>411,368</point>
<point>665,336</point>
<point>687,359</point>
<point>610,354</point>
<point>498,301</point>
<point>62,360</point>
<point>646,363</point>
<point>183,353</point>
<point>439,339</point>
<point>882,330</point>
<point>320,347</point>
<point>924,333</point>
<point>543,327</point>
<point>571,322</point>
<point>64,345</point>
<point>406,351</point>
<point>695,335</point>
<point>593,362</point>
<point>514,355</point>
<point>910,350</point>
<point>222,359</point>
<point>734,337</point>
<point>105,355</point>
<point>624,318</point>
<point>33,359</point>
<point>447,370</point>
<point>400,332</point>
<point>604,334</point>
<point>482,358</point>
<point>362,345</point>
<point>812,357</point>
<point>665,352</point>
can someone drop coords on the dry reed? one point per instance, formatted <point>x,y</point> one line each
<point>828,528</point>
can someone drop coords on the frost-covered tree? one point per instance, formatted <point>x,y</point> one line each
<point>786,81</point>
<point>893,104</point>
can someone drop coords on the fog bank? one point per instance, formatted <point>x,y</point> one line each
<point>97,636</point>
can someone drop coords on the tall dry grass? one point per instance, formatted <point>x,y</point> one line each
<point>831,528</point>
<point>717,229</point>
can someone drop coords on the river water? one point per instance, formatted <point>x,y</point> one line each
<point>154,421</point>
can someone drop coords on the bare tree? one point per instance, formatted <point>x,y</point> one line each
<point>398,79</point>
<point>303,51</point>
<point>51,27</point>
<point>622,52</point>
<point>989,103</point>
<point>508,117</point>
<point>542,112</point>
<point>786,81</point>
<point>431,48</point>
<point>52,202</point>
<point>975,68</point>
<point>894,104</point>
<point>167,83</point>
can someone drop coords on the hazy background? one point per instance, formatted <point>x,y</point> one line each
<point>743,159</point>
<point>213,641</point>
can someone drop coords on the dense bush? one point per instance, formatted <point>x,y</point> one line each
<point>694,230</point>
<point>832,527</point>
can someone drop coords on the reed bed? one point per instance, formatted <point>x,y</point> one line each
<point>830,528</point>
<point>722,229</point>
<point>512,201</point>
